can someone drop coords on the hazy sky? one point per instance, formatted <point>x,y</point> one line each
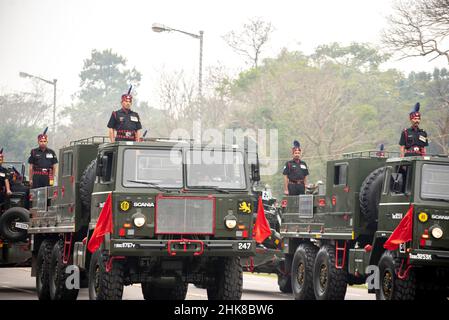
<point>51,38</point>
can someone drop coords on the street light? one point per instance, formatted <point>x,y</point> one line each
<point>53,83</point>
<point>157,27</point>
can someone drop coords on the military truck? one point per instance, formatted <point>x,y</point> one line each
<point>269,257</point>
<point>337,237</point>
<point>14,215</point>
<point>176,219</point>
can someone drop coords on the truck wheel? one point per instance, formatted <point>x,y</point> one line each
<point>58,276</point>
<point>302,272</point>
<point>228,284</point>
<point>105,285</point>
<point>153,292</point>
<point>43,270</point>
<point>370,194</point>
<point>390,286</point>
<point>8,221</point>
<point>87,185</point>
<point>329,283</point>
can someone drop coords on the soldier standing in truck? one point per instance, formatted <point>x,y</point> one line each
<point>413,140</point>
<point>42,162</point>
<point>295,173</point>
<point>4,182</point>
<point>125,122</point>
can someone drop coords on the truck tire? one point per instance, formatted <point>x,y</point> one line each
<point>43,270</point>
<point>370,192</point>
<point>153,292</point>
<point>302,272</point>
<point>228,284</point>
<point>390,286</point>
<point>7,224</point>
<point>87,185</point>
<point>329,283</point>
<point>58,275</point>
<point>104,285</point>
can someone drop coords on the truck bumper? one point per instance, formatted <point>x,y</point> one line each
<point>181,247</point>
<point>424,257</point>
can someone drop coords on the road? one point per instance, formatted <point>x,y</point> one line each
<point>17,284</point>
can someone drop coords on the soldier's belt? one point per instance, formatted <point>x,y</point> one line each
<point>44,172</point>
<point>296,181</point>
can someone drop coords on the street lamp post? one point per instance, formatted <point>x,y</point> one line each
<point>157,27</point>
<point>53,83</point>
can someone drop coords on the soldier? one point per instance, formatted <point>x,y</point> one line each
<point>125,122</point>
<point>42,162</point>
<point>295,173</point>
<point>4,181</point>
<point>413,140</point>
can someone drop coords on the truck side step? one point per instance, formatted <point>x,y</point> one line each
<point>340,252</point>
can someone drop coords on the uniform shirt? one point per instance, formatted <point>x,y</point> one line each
<point>295,170</point>
<point>42,159</point>
<point>3,176</point>
<point>126,123</point>
<point>411,138</point>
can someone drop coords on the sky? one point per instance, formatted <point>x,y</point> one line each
<point>52,38</point>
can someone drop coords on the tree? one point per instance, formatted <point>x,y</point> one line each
<point>250,40</point>
<point>419,28</point>
<point>361,56</point>
<point>104,78</point>
<point>23,117</point>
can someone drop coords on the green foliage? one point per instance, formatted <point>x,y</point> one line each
<point>334,101</point>
<point>23,118</point>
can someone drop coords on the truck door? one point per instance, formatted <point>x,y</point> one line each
<point>66,188</point>
<point>396,196</point>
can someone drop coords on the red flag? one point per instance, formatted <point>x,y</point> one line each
<point>261,227</point>
<point>402,233</point>
<point>104,226</point>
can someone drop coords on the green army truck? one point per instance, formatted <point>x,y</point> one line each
<point>177,218</point>
<point>14,215</point>
<point>336,238</point>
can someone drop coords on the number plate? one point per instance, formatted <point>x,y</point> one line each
<point>20,225</point>
<point>244,245</point>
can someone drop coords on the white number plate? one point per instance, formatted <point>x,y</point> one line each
<point>20,225</point>
<point>244,245</point>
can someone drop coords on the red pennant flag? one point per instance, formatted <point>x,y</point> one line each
<point>262,227</point>
<point>402,233</point>
<point>104,226</point>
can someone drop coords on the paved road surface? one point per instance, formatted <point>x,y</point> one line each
<point>17,284</point>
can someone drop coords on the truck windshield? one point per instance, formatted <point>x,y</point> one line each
<point>435,182</point>
<point>160,167</point>
<point>215,168</point>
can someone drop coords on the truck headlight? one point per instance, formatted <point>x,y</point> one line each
<point>139,221</point>
<point>230,222</point>
<point>437,232</point>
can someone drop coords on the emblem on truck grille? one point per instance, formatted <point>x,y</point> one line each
<point>245,207</point>
<point>125,205</point>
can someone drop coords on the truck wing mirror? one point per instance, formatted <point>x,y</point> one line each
<point>102,165</point>
<point>255,173</point>
<point>397,182</point>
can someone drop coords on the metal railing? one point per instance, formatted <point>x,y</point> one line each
<point>371,154</point>
<point>91,140</point>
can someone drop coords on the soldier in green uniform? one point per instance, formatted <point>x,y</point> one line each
<point>295,173</point>
<point>413,140</point>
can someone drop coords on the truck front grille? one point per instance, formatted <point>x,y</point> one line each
<point>185,215</point>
